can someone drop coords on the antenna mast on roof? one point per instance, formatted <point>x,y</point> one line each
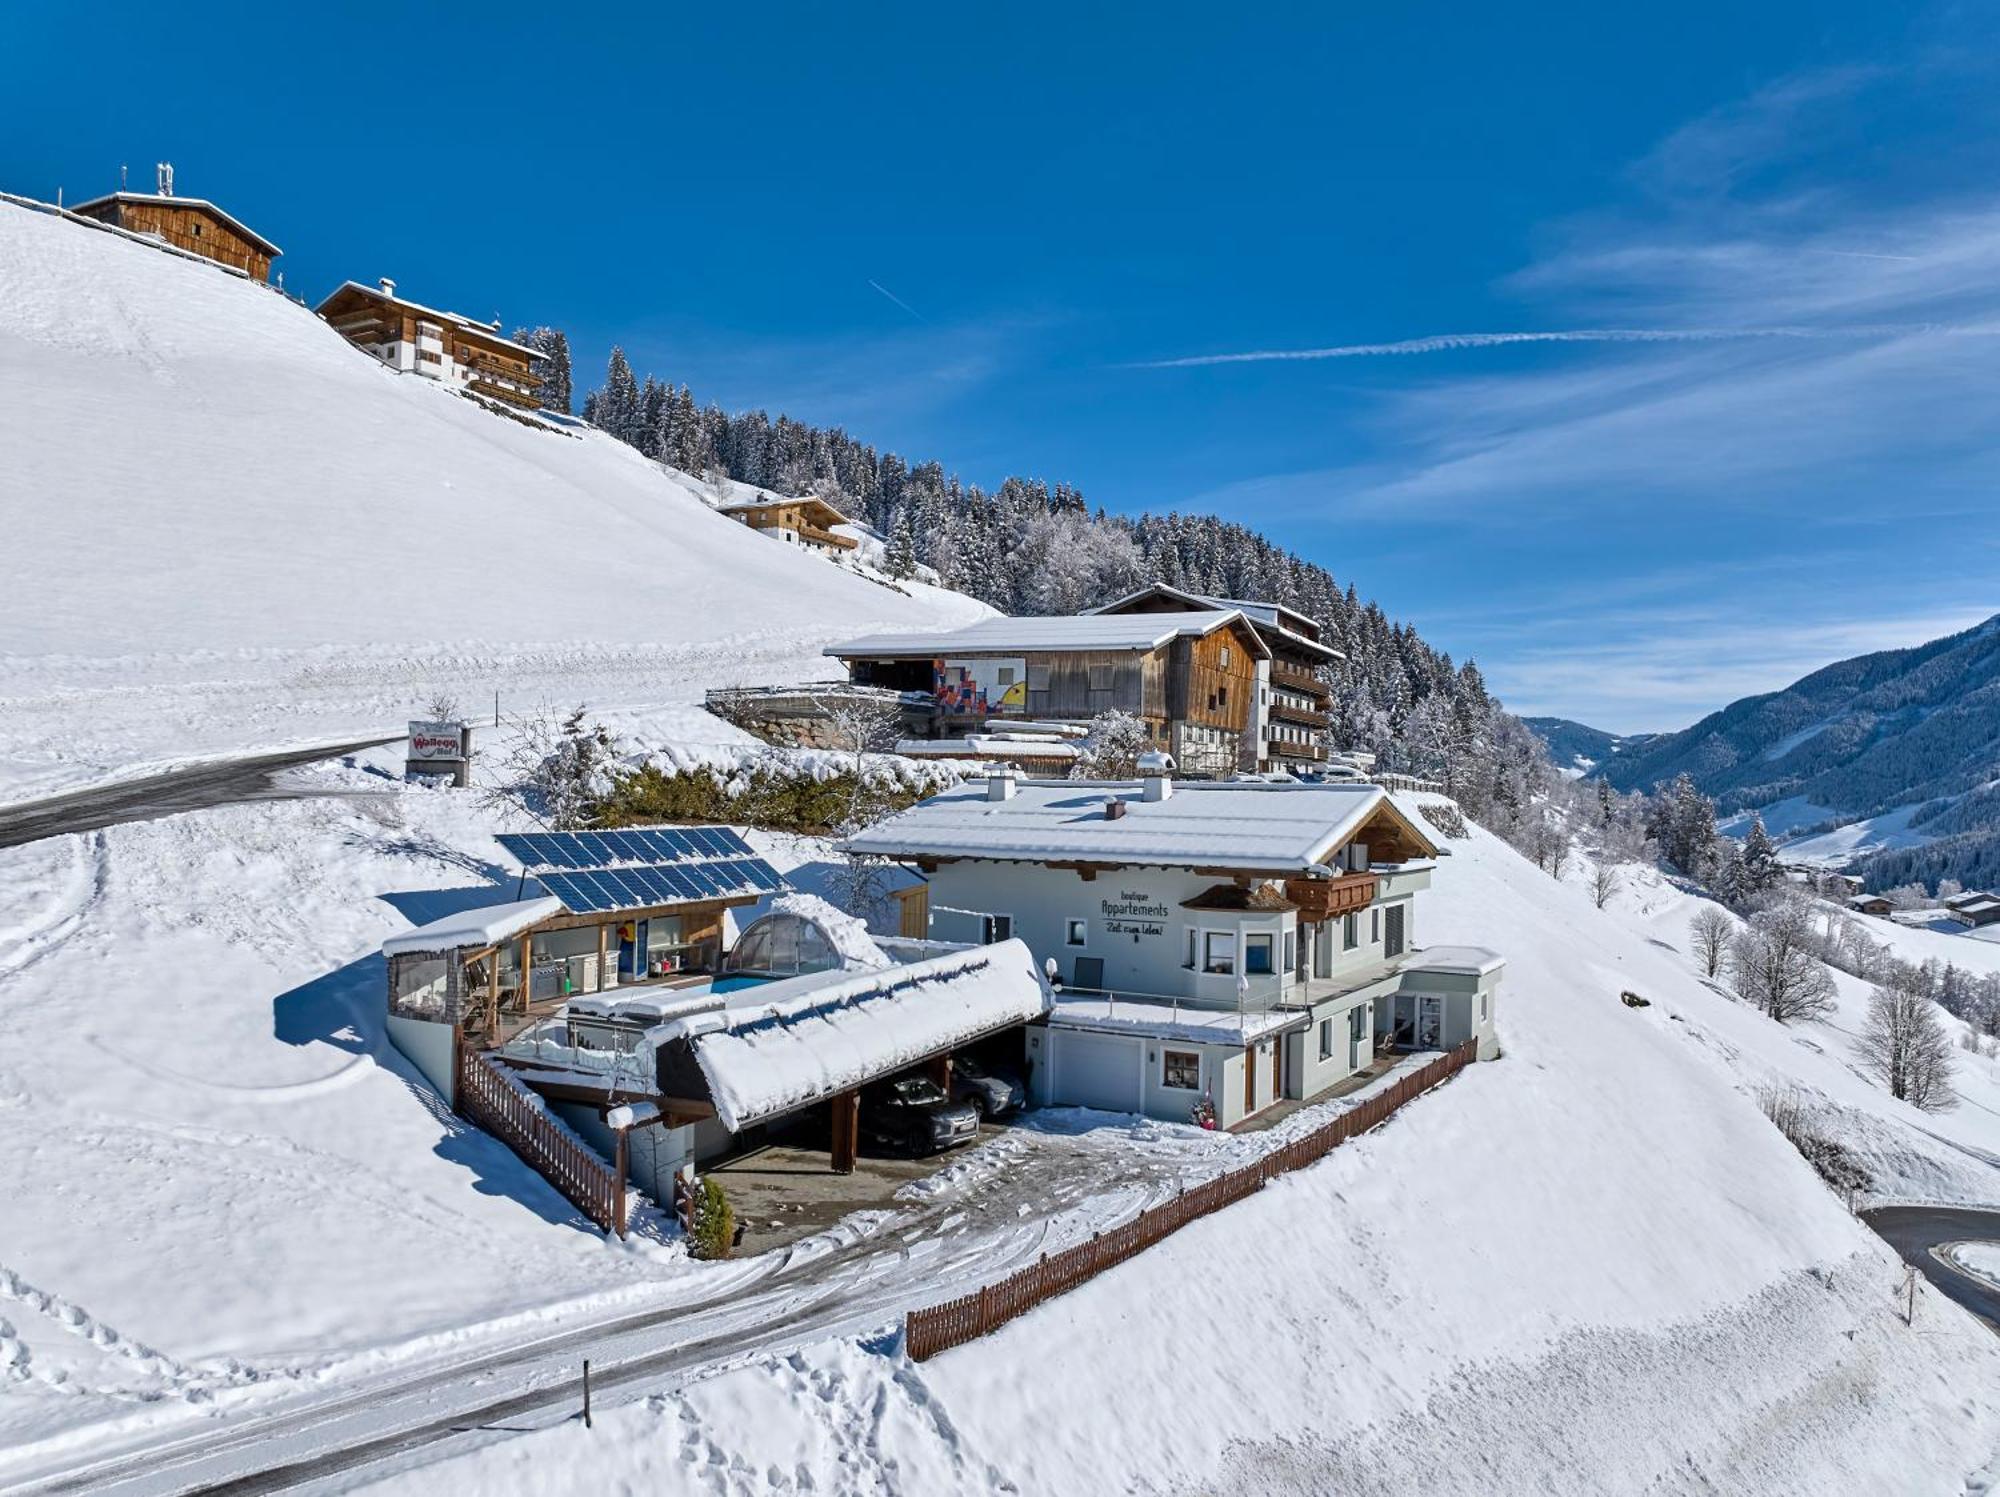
<point>121,176</point>
<point>165,171</point>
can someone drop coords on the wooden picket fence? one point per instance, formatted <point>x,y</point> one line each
<point>488,1098</point>
<point>941,1327</point>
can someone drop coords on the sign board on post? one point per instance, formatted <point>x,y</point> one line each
<point>439,748</point>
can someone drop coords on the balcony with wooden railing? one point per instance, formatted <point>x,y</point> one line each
<point>1304,717</point>
<point>1297,678</point>
<point>1330,898</point>
<point>819,537</point>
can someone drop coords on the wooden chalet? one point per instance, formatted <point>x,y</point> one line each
<point>805,522</point>
<point>1191,677</point>
<point>192,224</point>
<point>416,339</point>
<point>1293,702</point>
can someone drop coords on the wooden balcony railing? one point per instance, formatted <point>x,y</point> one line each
<point>826,538</point>
<point>1304,717</point>
<point>1292,678</point>
<point>1330,898</point>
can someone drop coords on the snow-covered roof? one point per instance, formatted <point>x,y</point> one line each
<point>1087,631</point>
<point>995,745</point>
<point>1269,616</point>
<point>485,926</point>
<point>487,330</point>
<point>1459,961</point>
<point>846,934</point>
<point>1171,1021</point>
<point>781,1045</point>
<point>1254,826</point>
<point>179,202</point>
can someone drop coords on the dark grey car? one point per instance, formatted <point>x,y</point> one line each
<point>994,1093</point>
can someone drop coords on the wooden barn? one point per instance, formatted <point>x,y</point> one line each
<point>192,224</point>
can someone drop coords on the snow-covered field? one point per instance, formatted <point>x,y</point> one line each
<point>227,528</point>
<point>1593,1265</point>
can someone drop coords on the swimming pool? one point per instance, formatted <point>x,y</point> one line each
<point>736,981</point>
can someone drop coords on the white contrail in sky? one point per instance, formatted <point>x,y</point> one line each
<point>1445,342</point>
<point>898,301</point>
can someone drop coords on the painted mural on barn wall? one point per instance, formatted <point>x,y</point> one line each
<point>980,687</point>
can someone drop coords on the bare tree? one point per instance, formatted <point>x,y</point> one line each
<point>1111,750</point>
<point>560,765</point>
<point>1906,1046</point>
<point>442,706</point>
<point>1772,964</point>
<point>860,724</point>
<point>1710,932</point>
<point>1605,881</point>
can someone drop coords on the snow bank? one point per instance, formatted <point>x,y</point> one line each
<point>327,542</point>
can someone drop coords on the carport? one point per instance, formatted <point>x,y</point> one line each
<point>775,1050</point>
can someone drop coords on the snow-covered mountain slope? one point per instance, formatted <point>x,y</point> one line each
<point>1854,739</point>
<point>1590,1266</point>
<point>1577,748</point>
<point>225,527</point>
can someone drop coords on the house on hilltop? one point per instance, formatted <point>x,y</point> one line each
<point>1233,943</point>
<point>192,224</point>
<point>806,521</point>
<point>1190,677</point>
<point>415,339</point>
<point>1289,717</point>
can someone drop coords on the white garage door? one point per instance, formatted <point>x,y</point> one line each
<point>1096,1070</point>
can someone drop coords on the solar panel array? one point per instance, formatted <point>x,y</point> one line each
<point>658,844</point>
<point>592,872</point>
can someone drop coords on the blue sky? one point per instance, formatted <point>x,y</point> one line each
<point>1760,247</point>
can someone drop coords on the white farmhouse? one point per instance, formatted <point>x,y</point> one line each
<point>1231,942</point>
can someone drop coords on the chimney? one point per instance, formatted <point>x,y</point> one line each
<point>388,286</point>
<point>1156,774</point>
<point>1114,808</point>
<point>1000,782</point>
<point>164,175</point>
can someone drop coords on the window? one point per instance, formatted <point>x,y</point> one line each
<point>994,928</point>
<point>1100,677</point>
<point>1038,677</point>
<point>1326,1039</point>
<point>1078,932</point>
<point>1257,955</point>
<point>1374,925</point>
<point>1005,675</point>
<point>1219,951</point>
<point>1224,657</point>
<point>1350,932</point>
<point>1181,1070</point>
<point>1193,937</point>
<point>1222,696</point>
<point>1357,1020</point>
<point>1292,951</point>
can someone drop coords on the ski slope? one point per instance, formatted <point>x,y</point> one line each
<point>1590,1266</point>
<point>227,528</point>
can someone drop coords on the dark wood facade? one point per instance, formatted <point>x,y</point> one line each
<point>191,224</point>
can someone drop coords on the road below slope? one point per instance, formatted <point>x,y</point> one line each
<point>1914,1231</point>
<point>193,787</point>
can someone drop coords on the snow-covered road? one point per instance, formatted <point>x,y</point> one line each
<point>1036,1188</point>
<point>190,787</point>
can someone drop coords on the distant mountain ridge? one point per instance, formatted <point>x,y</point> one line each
<point>1856,738</point>
<point>1579,748</point>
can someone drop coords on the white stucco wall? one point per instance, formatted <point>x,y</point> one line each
<point>429,1048</point>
